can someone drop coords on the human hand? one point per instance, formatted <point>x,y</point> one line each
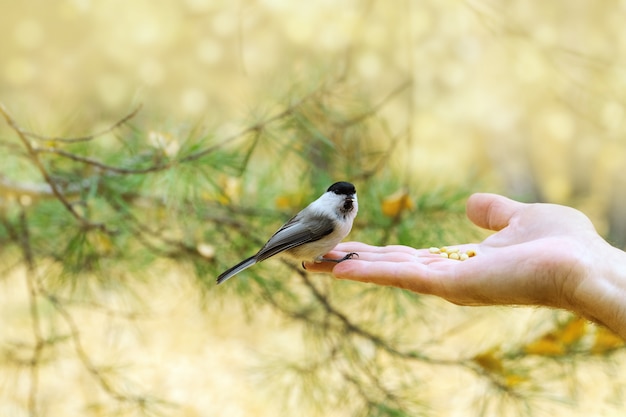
<point>542,254</point>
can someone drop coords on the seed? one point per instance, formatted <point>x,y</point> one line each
<point>450,252</point>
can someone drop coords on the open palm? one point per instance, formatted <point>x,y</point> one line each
<point>541,254</point>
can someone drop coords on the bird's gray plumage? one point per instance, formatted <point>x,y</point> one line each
<point>329,216</point>
<point>294,233</point>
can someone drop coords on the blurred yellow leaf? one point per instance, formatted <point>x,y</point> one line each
<point>514,380</point>
<point>282,202</point>
<point>606,341</point>
<point>557,341</point>
<point>101,242</point>
<point>50,143</point>
<point>229,191</point>
<point>231,187</point>
<point>547,345</point>
<point>489,361</point>
<point>396,203</point>
<point>573,331</point>
<point>290,202</point>
<point>222,199</point>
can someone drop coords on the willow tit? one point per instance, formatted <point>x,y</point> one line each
<point>312,233</point>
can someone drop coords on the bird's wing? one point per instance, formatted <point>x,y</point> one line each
<point>295,233</point>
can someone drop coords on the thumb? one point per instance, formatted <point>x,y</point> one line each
<point>491,211</point>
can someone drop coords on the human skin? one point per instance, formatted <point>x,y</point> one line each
<point>541,254</point>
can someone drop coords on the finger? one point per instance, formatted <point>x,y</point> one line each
<point>392,253</point>
<point>319,266</point>
<point>384,253</point>
<point>407,275</point>
<point>470,282</point>
<point>360,247</point>
<point>362,256</point>
<point>491,211</point>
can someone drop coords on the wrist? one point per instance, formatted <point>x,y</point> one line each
<point>601,297</point>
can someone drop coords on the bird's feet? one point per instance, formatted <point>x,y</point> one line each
<point>345,258</point>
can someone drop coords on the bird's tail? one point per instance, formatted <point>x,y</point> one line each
<point>246,263</point>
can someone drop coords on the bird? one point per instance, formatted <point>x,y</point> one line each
<point>311,233</point>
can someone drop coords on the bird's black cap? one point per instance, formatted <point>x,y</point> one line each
<point>342,188</point>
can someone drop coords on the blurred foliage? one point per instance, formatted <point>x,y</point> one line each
<point>528,97</point>
<point>95,228</point>
<point>251,109</point>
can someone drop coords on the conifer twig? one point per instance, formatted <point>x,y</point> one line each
<point>32,152</point>
<point>24,237</point>
<point>85,138</point>
<point>96,372</point>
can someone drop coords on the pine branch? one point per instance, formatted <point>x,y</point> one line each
<point>97,373</point>
<point>24,238</point>
<point>34,157</point>
<point>79,139</point>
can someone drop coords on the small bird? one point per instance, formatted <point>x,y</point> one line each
<point>312,233</point>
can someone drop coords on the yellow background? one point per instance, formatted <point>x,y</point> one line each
<point>527,98</point>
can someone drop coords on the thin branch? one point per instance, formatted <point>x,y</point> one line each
<point>111,313</point>
<point>381,343</point>
<point>101,165</point>
<point>142,232</point>
<point>46,175</point>
<point>85,138</point>
<point>34,151</point>
<point>372,111</point>
<point>97,374</point>
<point>358,330</point>
<point>257,127</point>
<point>371,403</point>
<point>24,240</point>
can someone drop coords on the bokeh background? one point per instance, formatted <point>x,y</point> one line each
<point>522,98</point>
<point>528,96</point>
